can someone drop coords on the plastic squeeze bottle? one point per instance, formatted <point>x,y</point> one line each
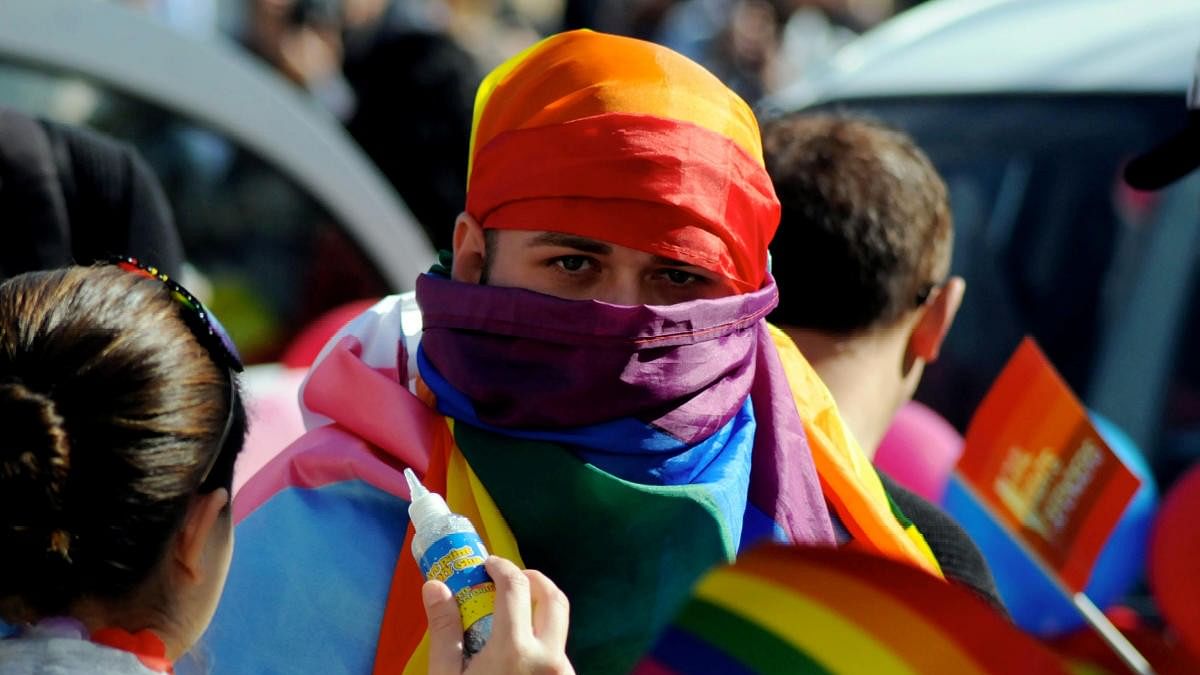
<point>448,549</point>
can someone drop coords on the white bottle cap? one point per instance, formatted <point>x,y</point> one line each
<point>426,506</point>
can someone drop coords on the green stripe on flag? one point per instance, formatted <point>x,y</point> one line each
<point>753,645</point>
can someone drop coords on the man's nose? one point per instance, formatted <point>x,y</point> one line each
<point>624,290</point>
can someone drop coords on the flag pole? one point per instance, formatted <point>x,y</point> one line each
<point>1115,639</point>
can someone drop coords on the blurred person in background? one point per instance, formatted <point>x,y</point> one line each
<point>275,258</point>
<point>402,86</point>
<point>635,18</point>
<point>70,195</point>
<point>862,259</point>
<point>302,39</point>
<point>415,93</point>
<point>758,46</point>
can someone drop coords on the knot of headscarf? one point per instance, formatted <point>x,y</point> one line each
<point>627,142</point>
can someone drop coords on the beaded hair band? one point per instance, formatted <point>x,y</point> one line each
<point>207,329</point>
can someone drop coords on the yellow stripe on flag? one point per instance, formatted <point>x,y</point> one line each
<point>811,627</point>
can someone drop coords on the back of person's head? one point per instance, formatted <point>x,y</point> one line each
<point>413,119</point>
<point>71,195</point>
<point>866,232</point>
<point>113,411</point>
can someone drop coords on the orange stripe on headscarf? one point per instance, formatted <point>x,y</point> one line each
<point>582,73</point>
<point>654,150</point>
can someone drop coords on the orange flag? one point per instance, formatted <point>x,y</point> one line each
<point>1034,459</point>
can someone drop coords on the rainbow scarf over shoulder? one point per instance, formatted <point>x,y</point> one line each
<point>626,502</point>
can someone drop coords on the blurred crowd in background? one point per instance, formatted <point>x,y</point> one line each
<point>401,74</point>
<point>1053,242</point>
<point>328,46</point>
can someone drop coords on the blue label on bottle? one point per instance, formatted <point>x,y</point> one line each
<point>457,560</point>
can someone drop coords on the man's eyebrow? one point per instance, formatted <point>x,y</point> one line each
<point>670,262</point>
<point>571,241</point>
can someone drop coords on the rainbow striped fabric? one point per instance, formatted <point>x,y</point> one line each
<point>321,534</point>
<point>581,488</point>
<point>626,142</point>
<point>623,509</point>
<point>793,610</point>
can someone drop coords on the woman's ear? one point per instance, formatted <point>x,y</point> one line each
<point>198,526</point>
<point>925,341</point>
<point>470,250</point>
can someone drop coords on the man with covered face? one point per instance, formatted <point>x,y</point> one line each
<point>589,378</point>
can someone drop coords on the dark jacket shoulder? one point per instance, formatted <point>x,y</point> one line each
<point>956,553</point>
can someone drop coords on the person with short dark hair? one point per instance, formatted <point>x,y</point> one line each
<point>862,259</point>
<point>73,196</point>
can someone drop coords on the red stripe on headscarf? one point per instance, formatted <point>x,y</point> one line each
<point>662,186</point>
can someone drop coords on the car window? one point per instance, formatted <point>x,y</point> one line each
<point>1050,240</point>
<point>266,256</point>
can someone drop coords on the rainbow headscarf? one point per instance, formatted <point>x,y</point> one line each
<point>627,142</point>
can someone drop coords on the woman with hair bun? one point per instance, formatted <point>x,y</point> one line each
<point>120,420</point>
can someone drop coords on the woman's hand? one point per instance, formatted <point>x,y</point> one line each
<point>529,626</point>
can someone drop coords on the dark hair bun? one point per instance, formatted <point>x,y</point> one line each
<point>35,462</point>
<point>35,454</point>
<point>111,409</point>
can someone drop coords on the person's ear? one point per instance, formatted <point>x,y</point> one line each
<point>198,525</point>
<point>925,341</point>
<point>470,250</point>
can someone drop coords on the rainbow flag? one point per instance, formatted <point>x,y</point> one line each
<point>811,610</point>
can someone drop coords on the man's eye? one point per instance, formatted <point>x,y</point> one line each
<point>681,278</point>
<point>572,263</point>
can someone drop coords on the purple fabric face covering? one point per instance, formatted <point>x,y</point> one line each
<point>529,360</point>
